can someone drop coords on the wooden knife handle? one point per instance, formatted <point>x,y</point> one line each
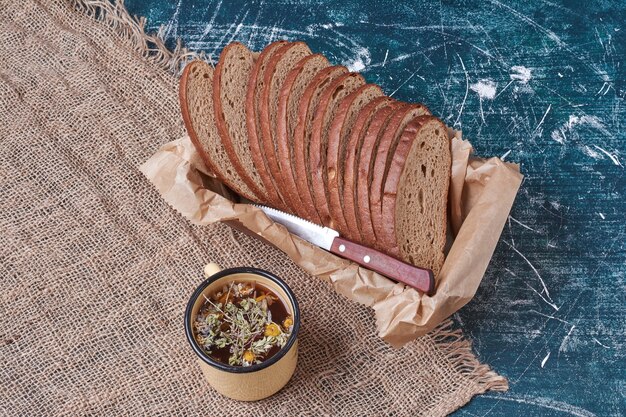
<point>419,278</point>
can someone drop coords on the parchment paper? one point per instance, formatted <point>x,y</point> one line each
<point>481,194</point>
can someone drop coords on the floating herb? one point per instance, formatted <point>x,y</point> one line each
<point>243,324</point>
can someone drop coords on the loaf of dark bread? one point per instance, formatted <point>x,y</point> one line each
<point>352,156</point>
<point>324,115</point>
<point>253,124</point>
<point>364,171</point>
<point>338,136</point>
<point>302,137</point>
<point>274,76</point>
<point>196,103</point>
<point>230,82</point>
<point>416,192</point>
<point>285,128</point>
<point>384,152</point>
<point>287,117</point>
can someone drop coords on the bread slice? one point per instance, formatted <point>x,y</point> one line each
<point>302,136</point>
<point>324,115</point>
<point>352,156</point>
<point>196,103</point>
<point>416,194</point>
<point>287,117</point>
<point>338,135</point>
<point>253,124</point>
<point>364,171</point>
<point>274,76</point>
<point>230,82</point>
<point>384,153</point>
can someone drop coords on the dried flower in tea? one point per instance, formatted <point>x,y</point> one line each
<point>239,325</point>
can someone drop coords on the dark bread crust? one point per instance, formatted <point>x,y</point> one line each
<point>418,238</point>
<point>222,126</point>
<point>284,130</point>
<point>338,136</point>
<point>326,109</point>
<point>383,155</point>
<point>364,172</point>
<point>277,68</point>
<point>302,134</point>
<point>353,153</point>
<point>223,173</point>
<point>254,126</point>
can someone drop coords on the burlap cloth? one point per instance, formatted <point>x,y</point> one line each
<point>95,268</point>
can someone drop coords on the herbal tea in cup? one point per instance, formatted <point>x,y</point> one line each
<point>243,324</point>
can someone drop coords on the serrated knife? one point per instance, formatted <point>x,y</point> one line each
<point>419,278</point>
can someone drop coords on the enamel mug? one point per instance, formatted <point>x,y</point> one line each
<point>257,381</point>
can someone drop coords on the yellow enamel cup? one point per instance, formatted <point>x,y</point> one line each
<point>258,381</point>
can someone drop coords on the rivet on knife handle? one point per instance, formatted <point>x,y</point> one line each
<point>419,278</point>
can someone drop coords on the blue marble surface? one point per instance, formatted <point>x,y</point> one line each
<point>540,83</point>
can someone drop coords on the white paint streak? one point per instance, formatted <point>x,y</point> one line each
<point>356,65</point>
<point>605,89</point>
<point>406,81</point>
<point>591,153</point>
<point>563,346</point>
<point>486,89</point>
<point>592,121</point>
<point>505,155</point>
<point>550,317</point>
<point>543,118</point>
<point>601,216</point>
<point>543,362</point>
<point>569,128</point>
<point>521,74</point>
<point>554,306</point>
<point>601,344</point>
<point>613,158</point>
<point>541,402</point>
<point>505,87</point>
<point>171,29</point>
<point>466,90</point>
<point>211,22</point>
<point>558,136</point>
<point>523,225</point>
<point>360,61</point>
<point>386,55</point>
<point>543,284</point>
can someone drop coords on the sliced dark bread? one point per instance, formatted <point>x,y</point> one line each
<point>196,103</point>
<point>302,136</point>
<point>364,171</point>
<point>230,82</point>
<point>338,136</point>
<point>416,194</point>
<point>253,92</point>
<point>353,153</point>
<point>274,76</point>
<point>318,147</point>
<point>287,117</point>
<point>384,153</point>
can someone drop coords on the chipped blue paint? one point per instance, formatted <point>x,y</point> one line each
<point>540,83</point>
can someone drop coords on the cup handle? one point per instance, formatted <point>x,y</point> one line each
<point>211,269</point>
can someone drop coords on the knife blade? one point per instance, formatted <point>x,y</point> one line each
<point>326,238</point>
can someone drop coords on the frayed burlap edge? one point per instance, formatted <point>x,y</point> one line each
<point>132,28</point>
<point>458,351</point>
<point>455,349</point>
